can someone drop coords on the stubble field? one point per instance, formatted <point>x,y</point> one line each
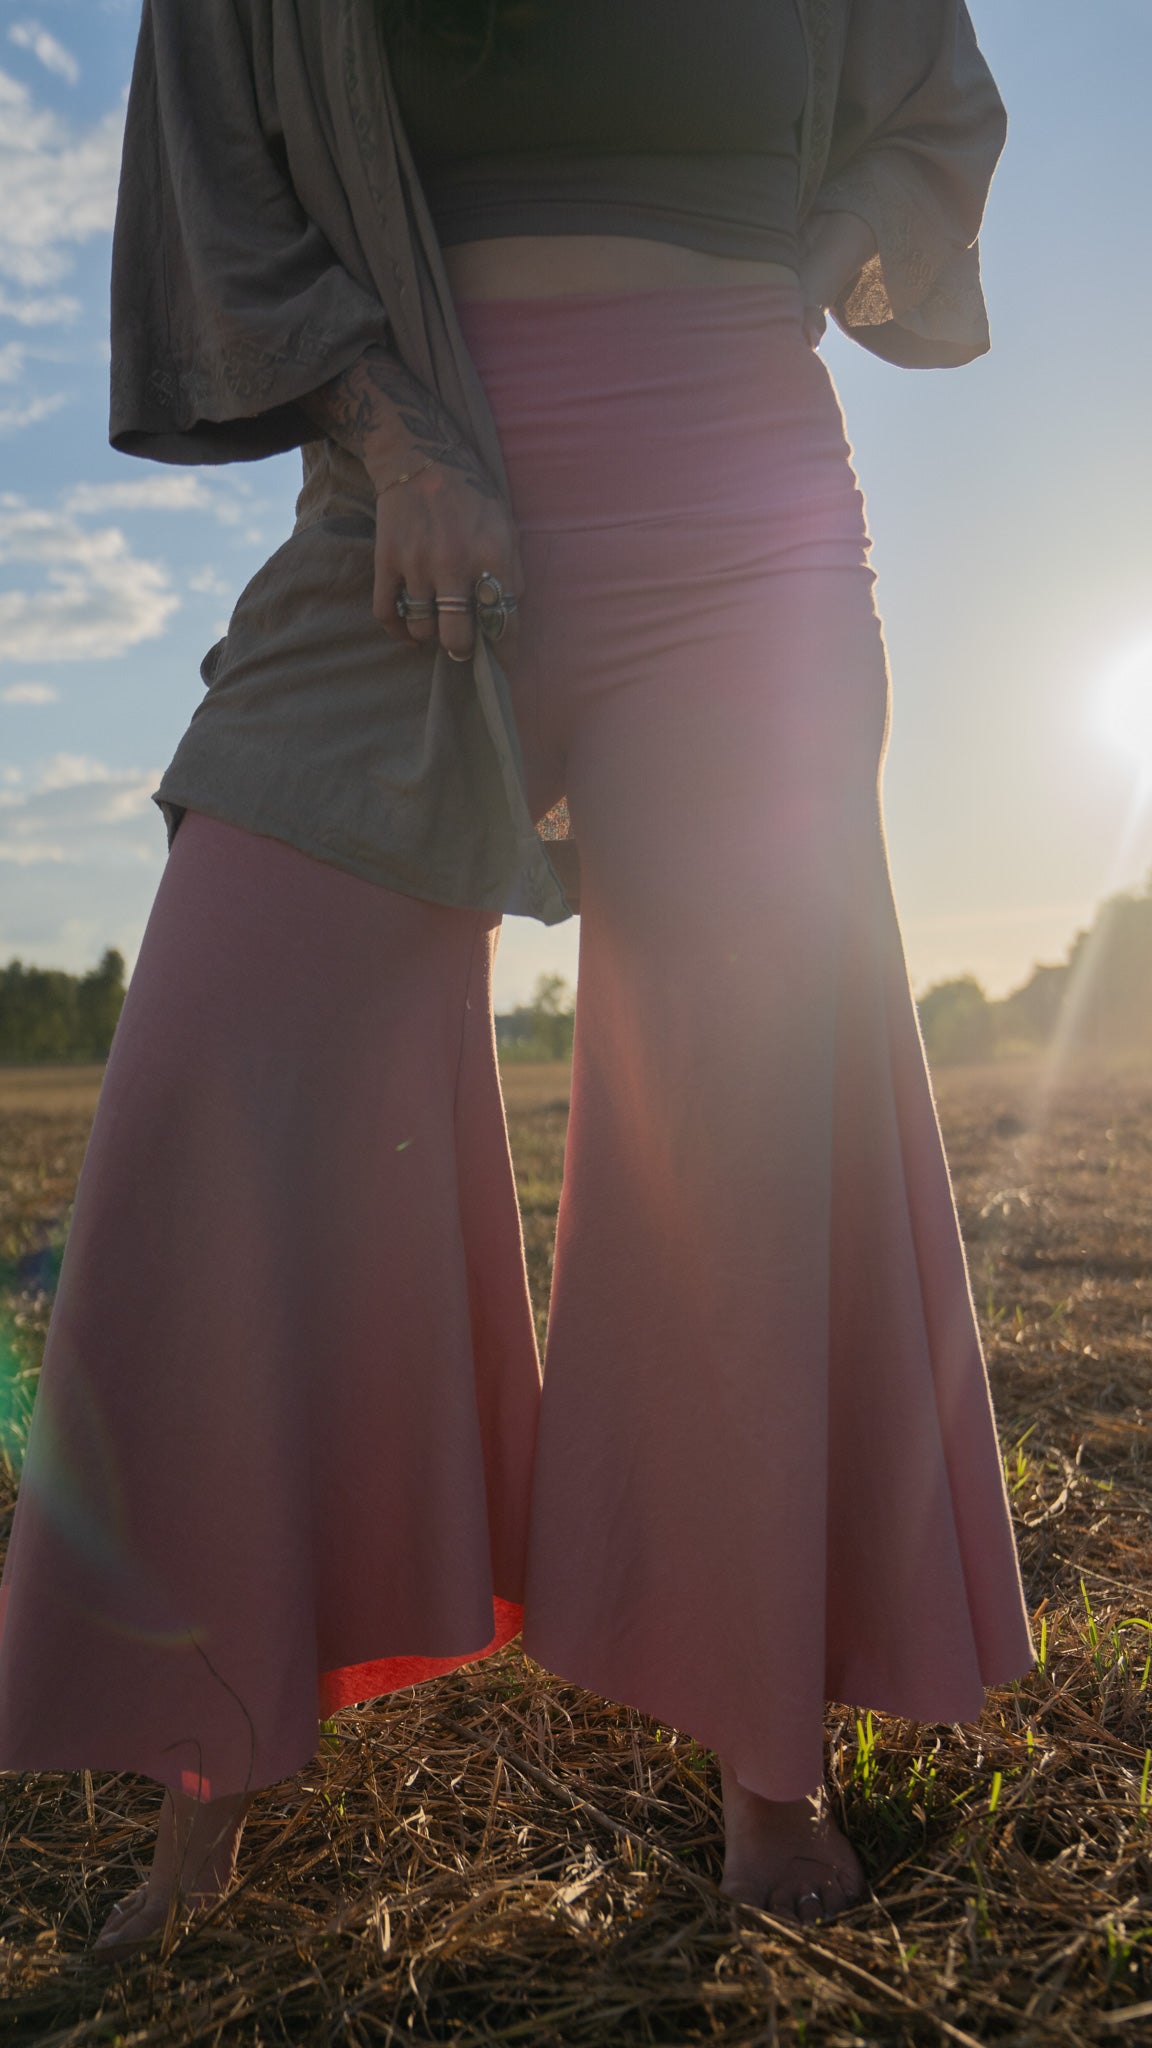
<point>496,1857</point>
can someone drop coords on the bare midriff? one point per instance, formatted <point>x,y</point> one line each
<point>548,266</point>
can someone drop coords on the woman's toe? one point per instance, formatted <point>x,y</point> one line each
<point>808,1896</point>
<point>833,1899</point>
<point>129,1904</point>
<point>743,1889</point>
<point>126,1922</point>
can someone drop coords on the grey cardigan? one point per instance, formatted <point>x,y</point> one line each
<point>270,225</point>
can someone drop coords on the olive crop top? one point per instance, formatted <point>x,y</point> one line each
<point>669,119</point>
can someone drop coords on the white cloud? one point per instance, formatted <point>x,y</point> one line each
<point>142,494</point>
<point>94,598</point>
<point>229,502</point>
<point>12,362</point>
<point>28,693</point>
<point>67,771</point>
<point>31,853</point>
<point>57,185</point>
<point>235,515</point>
<point>38,312</point>
<point>28,35</point>
<point>208,582</point>
<point>74,809</point>
<point>14,417</point>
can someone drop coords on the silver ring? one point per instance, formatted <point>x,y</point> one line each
<point>493,619</point>
<point>415,607</point>
<point>454,604</point>
<point>493,611</point>
<point>457,657</point>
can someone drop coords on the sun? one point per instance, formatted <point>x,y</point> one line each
<point>1125,709</point>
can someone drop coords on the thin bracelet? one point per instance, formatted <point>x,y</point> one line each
<point>410,473</point>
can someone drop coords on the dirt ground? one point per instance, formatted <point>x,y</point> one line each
<point>497,1857</point>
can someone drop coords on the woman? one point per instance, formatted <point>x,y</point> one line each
<point>579,546</point>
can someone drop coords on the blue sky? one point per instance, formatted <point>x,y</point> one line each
<point>1006,500</point>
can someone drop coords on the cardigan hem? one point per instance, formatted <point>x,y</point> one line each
<point>172,808</point>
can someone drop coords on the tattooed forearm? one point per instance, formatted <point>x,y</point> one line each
<point>385,416</point>
<point>376,401</point>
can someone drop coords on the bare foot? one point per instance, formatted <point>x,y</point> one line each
<point>786,1856</point>
<point>196,1846</point>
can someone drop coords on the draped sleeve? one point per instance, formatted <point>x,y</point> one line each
<point>917,131</point>
<point>228,303</point>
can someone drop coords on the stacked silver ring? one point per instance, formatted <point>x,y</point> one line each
<point>492,612</point>
<point>415,607</point>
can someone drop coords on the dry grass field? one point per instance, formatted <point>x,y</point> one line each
<point>499,1858</point>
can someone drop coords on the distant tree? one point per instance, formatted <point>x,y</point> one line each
<point>1110,978</point>
<point>957,1021</point>
<point>516,1032</point>
<point>99,1000</point>
<point>48,1015</point>
<point>553,1006</point>
<point>1029,1015</point>
<point>1101,995</point>
<point>37,1013</point>
<point>543,1028</point>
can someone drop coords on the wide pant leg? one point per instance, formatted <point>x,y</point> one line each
<point>767,1471</point>
<point>281,1452</point>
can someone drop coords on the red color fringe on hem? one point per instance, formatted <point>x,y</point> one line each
<point>354,1683</point>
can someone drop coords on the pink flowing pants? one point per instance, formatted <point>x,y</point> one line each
<point>290,1448</point>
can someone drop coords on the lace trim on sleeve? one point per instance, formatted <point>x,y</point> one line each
<point>915,280</point>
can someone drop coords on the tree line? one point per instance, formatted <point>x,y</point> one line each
<point>46,1014</point>
<point>49,1016</point>
<point>1099,999</point>
<point>542,1029</point>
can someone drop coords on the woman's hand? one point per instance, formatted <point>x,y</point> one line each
<point>833,251</point>
<point>434,537</point>
<point>444,528</point>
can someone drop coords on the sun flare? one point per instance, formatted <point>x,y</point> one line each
<point>1125,711</point>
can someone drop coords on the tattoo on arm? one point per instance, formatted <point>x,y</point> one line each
<point>377,394</point>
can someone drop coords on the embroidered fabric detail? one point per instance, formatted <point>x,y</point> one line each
<point>824,49</point>
<point>916,279</point>
<point>180,391</point>
<point>924,279</point>
<point>557,824</point>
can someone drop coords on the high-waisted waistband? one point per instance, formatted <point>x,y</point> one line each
<point>680,402</point>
